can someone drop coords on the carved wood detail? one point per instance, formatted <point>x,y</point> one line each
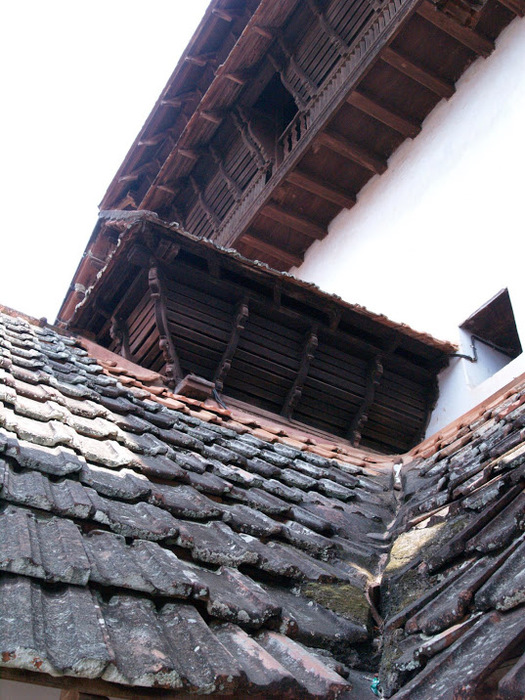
<point>173,368</point>
<point>373,379</point>
<point>119,333</point>
<point>295,393</point>
<point>239,322</point>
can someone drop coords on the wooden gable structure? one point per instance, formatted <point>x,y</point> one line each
<point>280,112</point>
<point>181,306</point>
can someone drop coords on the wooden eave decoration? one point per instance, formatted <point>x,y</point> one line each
<point>355,80</point>
<point>255,335</point>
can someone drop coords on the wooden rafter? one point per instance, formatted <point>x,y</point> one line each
<point>339,144</point>
<point>373,379</point>
<point>421,75</point>
<point>295,221</point>
<point>515,6</point>
<point>322,188</point>
<point>385,115</point>
<point>271,250</point>
<point>471,39</point>
<point>296,391</point>
<point>239,322</point>
<point>173,368</point>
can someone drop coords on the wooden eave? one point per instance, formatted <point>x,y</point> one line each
<point>179,305</point>
<point>406,59</point>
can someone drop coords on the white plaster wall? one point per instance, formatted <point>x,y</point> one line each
<point>442,231</point>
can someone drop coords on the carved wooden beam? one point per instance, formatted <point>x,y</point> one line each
<point>295,221</point>
<point>339,144</point>
<point>471,39</point>
<point>385,115</point>
<point>296,391</point>
<point>210,214</point>
<point>231,184</point>
<point>421,75</point>
<point>239,322</point>
<point>173,368</point>
<point>322,188</point>
<point>119,332</point>
<point>373,379</point>
<point>289,259</point>
<point>242,124</point>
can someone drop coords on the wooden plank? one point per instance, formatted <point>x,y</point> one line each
<point>271,250</point>
<point>386,115</point>
<point>471,39</point>
<point>421,75</point>
<point>295,221</point>
<point>321,188</point>
<point>339,144</point>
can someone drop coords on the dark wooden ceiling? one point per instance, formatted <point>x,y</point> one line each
<point>280,112</point>
<point>177,305</point>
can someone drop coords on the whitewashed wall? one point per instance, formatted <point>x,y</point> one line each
<point>443,230</point>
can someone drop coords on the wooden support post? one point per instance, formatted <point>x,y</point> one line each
<point>231,184</point>
<point>339,144</point>
<point>295,221</point>
<point>239,322</point>
<point>173,368</point>
<point>296,391</point>
<point>421,75</point>
<point>288,259</point>
<point>210,214</point>
<point>373,379</point>
<point>322,188</point>
<point>471,39</point>
<point>387,116</point>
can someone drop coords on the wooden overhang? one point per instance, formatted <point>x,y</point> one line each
<point>278,113</point>
<point>179,305</point>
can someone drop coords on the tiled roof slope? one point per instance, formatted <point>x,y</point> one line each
<point>453,591</point>
<point>153,542</point>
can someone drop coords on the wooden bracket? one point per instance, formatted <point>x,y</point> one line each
<point>238,325</point>
<point>327,28</point>
<point>119,332</point>
<point>231,184</point>
<point>373,379</point>
<point>242,124</point>
<point>296,391</point>
<point>173,368</point>
<point>211,215</point>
